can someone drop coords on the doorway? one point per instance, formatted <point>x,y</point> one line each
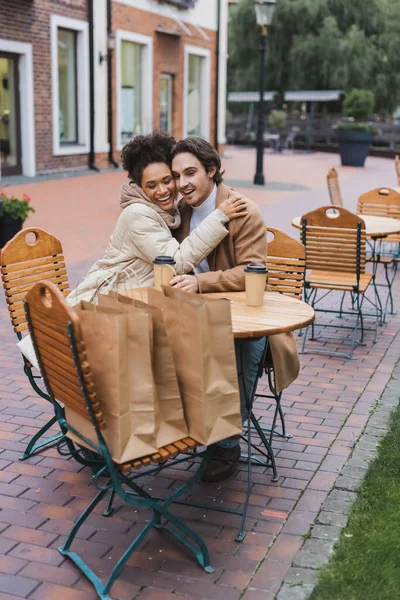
<point>166,112</point>
<point>10,120</point>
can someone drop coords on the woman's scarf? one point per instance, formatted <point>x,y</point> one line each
<point>131,193</point>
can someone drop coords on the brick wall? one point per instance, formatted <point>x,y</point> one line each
<point>168,57</point>
<point>27,21</point>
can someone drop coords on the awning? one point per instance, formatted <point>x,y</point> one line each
<point>250,96</point>
<point>314,96</point>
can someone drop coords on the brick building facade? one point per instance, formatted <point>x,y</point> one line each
<point>76,75</point>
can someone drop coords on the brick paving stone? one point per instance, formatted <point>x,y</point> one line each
<point>19,586</point>
<point>270,574</point>
<point>50,591</point>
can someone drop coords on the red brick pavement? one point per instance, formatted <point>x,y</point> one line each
<point>326,409</point>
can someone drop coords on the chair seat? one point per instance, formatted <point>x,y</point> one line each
<point>337,280</point>
<point>163,454</point>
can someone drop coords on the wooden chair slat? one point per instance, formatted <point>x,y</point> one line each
<point>190,442</point>
<point>182,447</point>
<point>11,297</point>
<point>172,450</point>
<point>55,259</point>
<point>26,284</point>
<point>286,263</point>
<point>58,268</point>
<point>165,455</point>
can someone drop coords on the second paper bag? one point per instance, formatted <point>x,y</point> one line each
<point>200,334</point>
<point>171,425</point>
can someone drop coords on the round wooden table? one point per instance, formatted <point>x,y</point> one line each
<point>375,227</point>
<point>278,314</point>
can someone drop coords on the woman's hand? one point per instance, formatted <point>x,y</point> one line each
<point>186,283</point>
<point>235,206</point>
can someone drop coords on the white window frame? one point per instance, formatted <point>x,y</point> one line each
<point>205,89</point>
<point>82,53</point>
<point>147,80</point>
<point>27,103</point>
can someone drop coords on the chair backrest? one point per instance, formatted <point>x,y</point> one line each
<point>334,188</point>
<point>60,348</point>
<point>286,262</point>
<point>335,240</point>
<point>380,202</point>
<point>397,166</point>
<point>24,262</point>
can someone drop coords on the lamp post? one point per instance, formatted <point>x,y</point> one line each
<point>264,13</point>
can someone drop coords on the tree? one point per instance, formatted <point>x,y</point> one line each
<point>321,44</point>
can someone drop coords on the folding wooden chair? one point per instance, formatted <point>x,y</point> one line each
<point>23,263</point>
<point>383,202</point>
<point>60,348</point>
<point>335,243</point>
<point>286,263</point>
<point>397,167</point>
<point>334,188</point>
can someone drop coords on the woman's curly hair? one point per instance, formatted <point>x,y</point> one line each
<point>143,150</point>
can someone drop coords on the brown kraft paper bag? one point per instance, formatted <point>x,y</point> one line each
<point>171,420</point>
<point>118,349</point>
<point>200,334</point>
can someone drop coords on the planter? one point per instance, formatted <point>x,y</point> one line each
<point>8,228</point>
<point>353,147</point>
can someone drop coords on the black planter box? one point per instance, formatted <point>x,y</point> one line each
<point>8,228</point>
<point>354,147</point>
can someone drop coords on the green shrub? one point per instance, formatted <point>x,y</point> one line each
<point>359,104</point>
<point>277,119</point>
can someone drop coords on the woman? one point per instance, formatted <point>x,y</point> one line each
<point>143,230</point>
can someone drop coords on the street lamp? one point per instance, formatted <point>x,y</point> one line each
<point>264,13</point>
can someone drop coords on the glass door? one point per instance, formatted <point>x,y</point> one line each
<point>166,102</point>
<point>10,135</point>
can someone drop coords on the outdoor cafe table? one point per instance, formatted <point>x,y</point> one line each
<point>375,227</point>
<point>278,314</point>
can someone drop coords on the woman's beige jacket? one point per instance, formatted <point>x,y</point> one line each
<point>140,235</point>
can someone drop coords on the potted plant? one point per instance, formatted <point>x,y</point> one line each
<point>277,120</point>
<point>355,134</point>
<point>13,212</point>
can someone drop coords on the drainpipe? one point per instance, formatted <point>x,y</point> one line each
<point>92,164</point>
<point>217,76</point>
<point>109,90</point>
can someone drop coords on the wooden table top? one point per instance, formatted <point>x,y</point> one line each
<point>375,227</point>
<point>278,314</point>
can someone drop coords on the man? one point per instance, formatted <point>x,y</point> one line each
<point>196,167</point>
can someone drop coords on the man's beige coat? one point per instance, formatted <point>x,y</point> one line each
<point>245,243</point>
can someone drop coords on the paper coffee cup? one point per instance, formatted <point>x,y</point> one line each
<point>256,279</point>
<point>163,271</point>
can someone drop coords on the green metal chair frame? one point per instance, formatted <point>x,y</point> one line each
<point>335,254</point>
<point>286,263</point>
<point>383,202</point>
<point>53,323</point>
<point>22,264</point>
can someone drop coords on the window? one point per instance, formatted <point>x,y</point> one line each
<point>197,92</point>
<point>166,102</point>
<point>70,85</point>
<point>131,91</point>
<point>67,68</point>
<point>134,81</point>
<point>194,95</point>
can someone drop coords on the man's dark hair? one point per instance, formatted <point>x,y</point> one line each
<point>146,149</point>
<point>204,152</point>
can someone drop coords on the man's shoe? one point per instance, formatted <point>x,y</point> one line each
<point>219,468</point>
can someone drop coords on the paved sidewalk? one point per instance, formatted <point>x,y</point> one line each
<point>327,409</point>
